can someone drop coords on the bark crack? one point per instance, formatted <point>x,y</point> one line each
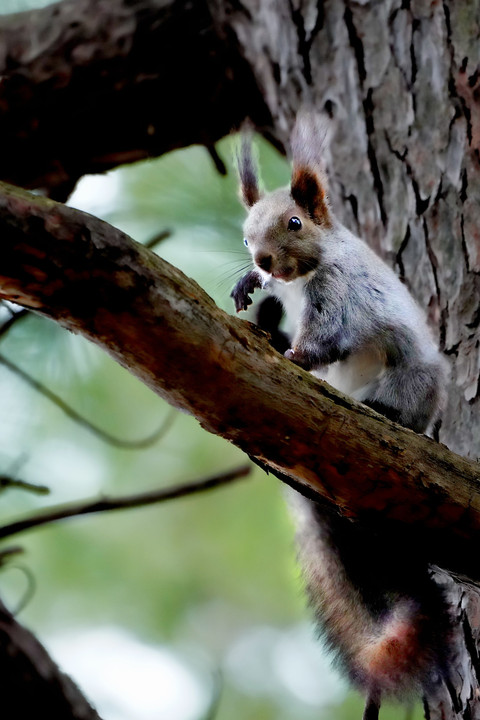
<point>462,106</point>
<point>352,200</point>
<point>434,265</point>
<point>356,44</point>
<point>464,242</point>
<point>368,108</point>
<point>400,156</point>
<point>305,40</point>
<point>475,322</point>
<point>401,250</point>
<point>431,256</point>
<point>398,64</point>
<point>413,57</point>
<point>421,204</point>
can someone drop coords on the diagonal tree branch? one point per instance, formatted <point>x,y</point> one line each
<point>159,324</point>
<point>82,421</point>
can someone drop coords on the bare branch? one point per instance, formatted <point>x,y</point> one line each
<point>140,444</point>
<point>93,279</point>
<point>7,482</point>
<point>89,507</point>
<point>220,166</point>
<point>158,238</point>
<point>29,591</point>
<point>12,320</point>
<point>8,553</point>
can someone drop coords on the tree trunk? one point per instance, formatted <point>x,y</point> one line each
<point>399,79</point>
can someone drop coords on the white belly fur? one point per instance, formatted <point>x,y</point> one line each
<point>354,375</point>
<point>292,298</point>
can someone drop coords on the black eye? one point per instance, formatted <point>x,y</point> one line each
<point>245,241</point>
<point>294,223</point>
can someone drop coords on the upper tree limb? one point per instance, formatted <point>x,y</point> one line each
<point>69,71</point>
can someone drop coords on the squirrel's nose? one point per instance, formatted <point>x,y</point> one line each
<point>264,262</point>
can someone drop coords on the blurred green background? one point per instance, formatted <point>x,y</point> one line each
<point>157,612</point>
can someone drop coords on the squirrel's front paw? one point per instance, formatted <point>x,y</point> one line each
<point>240,296</point>
<point>299,358</point>
<point>243,289</point>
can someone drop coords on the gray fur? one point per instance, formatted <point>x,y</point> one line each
<point>305,152</point>
<point>355,304</point>
<point>344,301</point>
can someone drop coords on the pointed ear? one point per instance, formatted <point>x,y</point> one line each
<point>248,172</point>
<point>309,183</point>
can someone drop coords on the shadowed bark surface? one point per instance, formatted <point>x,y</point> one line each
<point>87,85</point>
<point>31,681</point>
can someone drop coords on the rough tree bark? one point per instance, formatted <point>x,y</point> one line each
<point>400,79</point>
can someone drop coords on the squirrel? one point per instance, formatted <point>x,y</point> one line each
<point>356,326</point>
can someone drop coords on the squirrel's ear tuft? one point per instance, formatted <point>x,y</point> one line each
<point>309,182</point>
<point>248,172</point>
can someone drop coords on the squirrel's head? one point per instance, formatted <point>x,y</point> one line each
<point>284,228</point>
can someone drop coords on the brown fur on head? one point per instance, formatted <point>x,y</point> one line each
<point>277,249</point>
<point>282,228</point>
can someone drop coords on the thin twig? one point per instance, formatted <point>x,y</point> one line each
<point>123,503</point>
<point>158,238</point>
<point>218,684</point>
<point>6,564</point>
<point>7,482</point>
<point>14,318</point>
<point>220,166</point>
<point>9,552</point>
<point>80,420</point>
<point>29,590</point>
